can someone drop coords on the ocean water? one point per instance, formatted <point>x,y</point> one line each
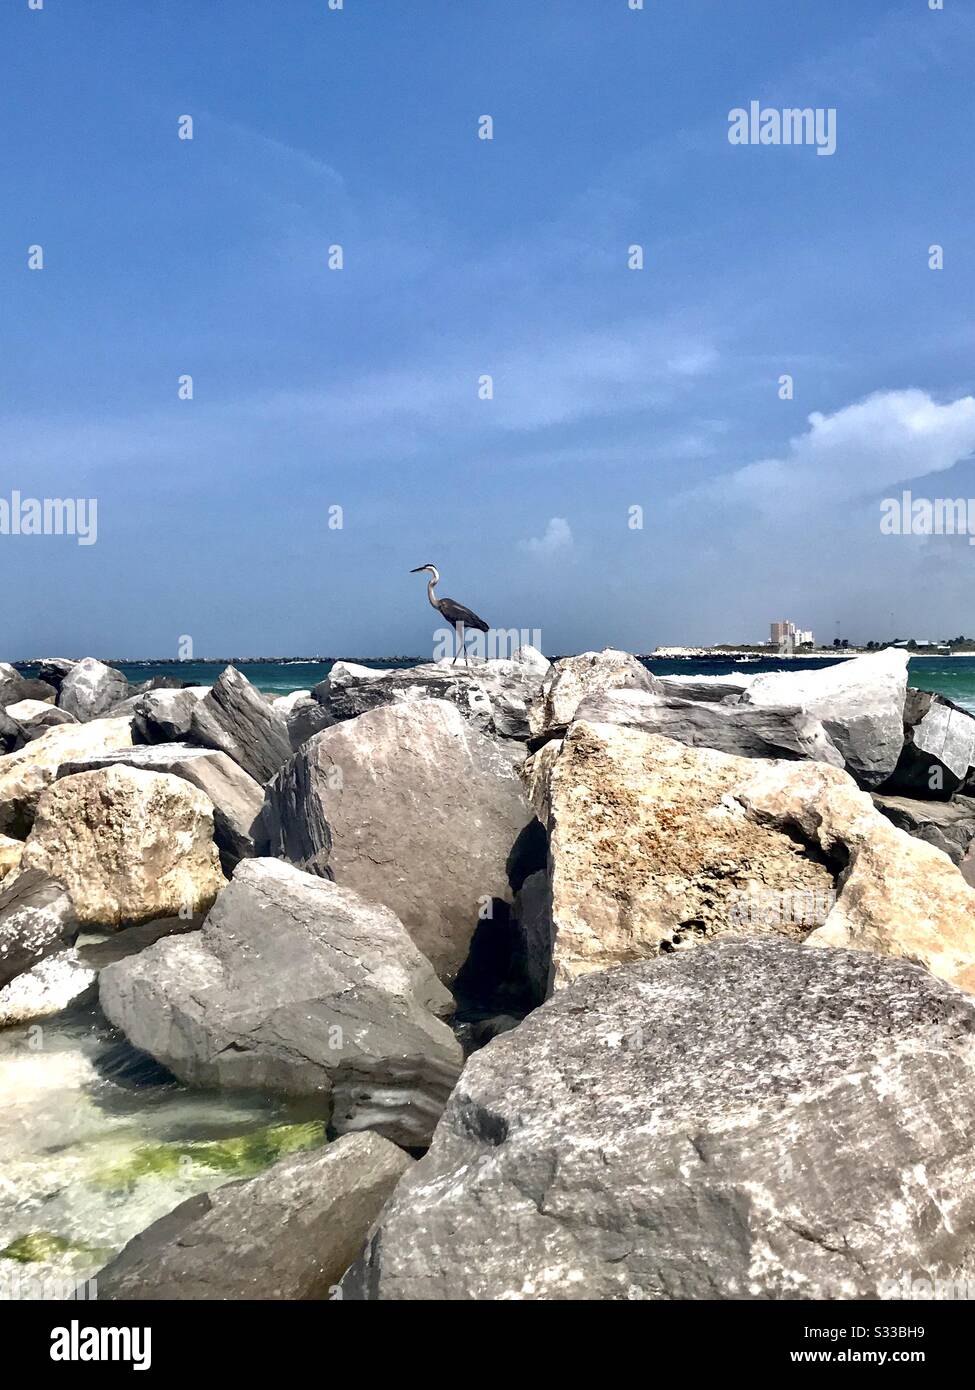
<point>951,676</point>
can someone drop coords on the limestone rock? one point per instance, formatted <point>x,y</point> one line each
<point>289,1233</point>
<point>650,849</point>
<point>10,853</point>
<point>749,1121</point>
<point>859,702</point>
<point>25,773</point>
<point>236,798</point>
<point>91,688</point>
<point>234,718</point>
<point>898,895</point>
<point>128,845</point>
<point>296,987</point>
<point>410,806</point>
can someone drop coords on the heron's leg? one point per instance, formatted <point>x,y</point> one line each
<point>459,629</point>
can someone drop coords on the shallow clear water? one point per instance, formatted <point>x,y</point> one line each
<point>96,1143</point>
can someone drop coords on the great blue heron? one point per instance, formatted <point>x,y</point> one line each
<point>456,614</point>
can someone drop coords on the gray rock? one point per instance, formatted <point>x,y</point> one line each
<point>752,731</point>
<point>36,919</point>
<point>296,987</point>
<point>91,688</point>
<point>573,679</point>
<point>237,799</point>
<point>53,669</point>
<point>712,689</point>
<point>10,734</point>
<point>493,695</point>
<point>35,717</point>
<point>289,1233</point>
<point>305,718</point>
<point>410,806</point>
<point>750,1120</point>
<point>939,747</point>
<point>14,687</point>
<point>948,825</point>
<point>165,716</point>
<point>859,702</point>
<point>234,718</point>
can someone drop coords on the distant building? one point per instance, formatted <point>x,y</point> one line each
<point>787,637</point>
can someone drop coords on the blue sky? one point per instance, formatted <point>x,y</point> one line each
<point>613,388</point>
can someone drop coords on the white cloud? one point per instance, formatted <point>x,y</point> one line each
<point>860,450</point>
<point>556,540</point>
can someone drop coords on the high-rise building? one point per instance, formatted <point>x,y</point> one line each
<point>787,637</point>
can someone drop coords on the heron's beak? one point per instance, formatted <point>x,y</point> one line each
<point>418,569</point>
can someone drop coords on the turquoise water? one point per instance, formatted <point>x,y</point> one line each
<point>951,676</point>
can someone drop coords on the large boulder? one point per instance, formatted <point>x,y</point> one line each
<point>750,1121</point>
<point>15,687</point>
<point>749,731</point>
<point>650,850</point>
<point>573,678</point>
<point>165,715</point>
<point>35,717</point>
<point>948,825</point>
<point>235,718</point>
<point>492,695</point>
<point>25,773</point>
<point>654,845</point>
<point>128,845</point>
<point>860,703</point>
<point>412,807</point>
<point>91,688</point>
<point>36,919</point>
<point>939,747</point>
<point>236,798</point>
<point>289,1233</point>
<point>296,987</point>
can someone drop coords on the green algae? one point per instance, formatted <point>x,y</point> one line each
<point>241,1156</point>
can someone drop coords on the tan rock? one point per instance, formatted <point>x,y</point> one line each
<point>128,845</point>
<point>899,895</point>
<point>654,845</point>
<point>649,848</point>
<point>10,852</point>
<point>25,773</point>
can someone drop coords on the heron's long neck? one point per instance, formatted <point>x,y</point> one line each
<point>431,585</point>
